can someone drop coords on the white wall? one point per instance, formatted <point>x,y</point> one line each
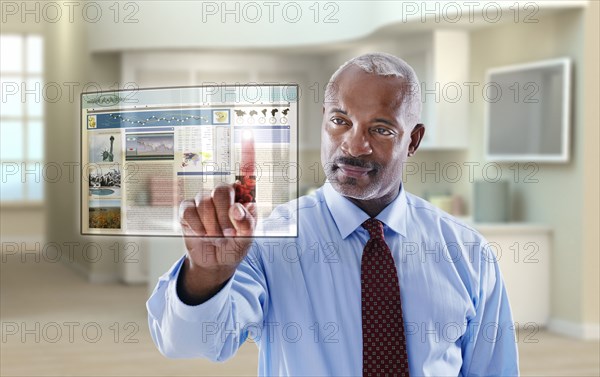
<point>68,60</point>
<point>557,199</point>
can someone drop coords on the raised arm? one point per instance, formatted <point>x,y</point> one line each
<point>212,299</point>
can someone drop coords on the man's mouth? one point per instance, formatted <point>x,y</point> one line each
<point>353,171</point>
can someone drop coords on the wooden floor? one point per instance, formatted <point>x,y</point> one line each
<point>55,323</point>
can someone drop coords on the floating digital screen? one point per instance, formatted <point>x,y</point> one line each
<point>144,151</point>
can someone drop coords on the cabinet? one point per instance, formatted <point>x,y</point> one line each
<point>523,252</point>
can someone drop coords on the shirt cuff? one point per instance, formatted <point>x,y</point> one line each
<point>208,310</point>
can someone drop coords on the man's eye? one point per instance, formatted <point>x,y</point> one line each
<point>338,121</point>
<point>383,131</point>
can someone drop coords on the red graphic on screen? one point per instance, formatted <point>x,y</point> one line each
<point>245,184</point>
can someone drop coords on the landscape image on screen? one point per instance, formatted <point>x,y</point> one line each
<point>105,214</point>
<point>149,146</point>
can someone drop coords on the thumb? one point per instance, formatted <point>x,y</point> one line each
<point>243,221</point>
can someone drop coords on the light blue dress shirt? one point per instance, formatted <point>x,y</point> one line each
<point>299,298</point>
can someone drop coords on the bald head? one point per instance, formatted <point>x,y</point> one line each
<point>382,64</point>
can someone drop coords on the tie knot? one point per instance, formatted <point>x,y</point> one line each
<point>374,227</point>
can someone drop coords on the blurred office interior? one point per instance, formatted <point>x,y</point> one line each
<point>51,277</point>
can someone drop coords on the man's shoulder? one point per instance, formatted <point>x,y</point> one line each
<point>420,211</point>
<point>295,214</point>
<point>303,204</point>
<point>457,241</point>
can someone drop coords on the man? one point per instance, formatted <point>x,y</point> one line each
<point>378,282</point>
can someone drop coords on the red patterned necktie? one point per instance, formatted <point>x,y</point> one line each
<point>384,343</point>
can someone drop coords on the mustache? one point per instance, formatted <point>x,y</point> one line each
<point>351,161</point>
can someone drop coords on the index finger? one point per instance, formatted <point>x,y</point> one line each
<point>223,196</point>
<point>247,163</point>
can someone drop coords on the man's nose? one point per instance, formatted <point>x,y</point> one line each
<point>356,142</point>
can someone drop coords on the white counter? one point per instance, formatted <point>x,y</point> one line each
<point>524,252</point>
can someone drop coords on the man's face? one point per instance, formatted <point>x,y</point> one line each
<point>364,139</point>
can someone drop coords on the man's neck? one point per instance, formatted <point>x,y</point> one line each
<point>373,207</point>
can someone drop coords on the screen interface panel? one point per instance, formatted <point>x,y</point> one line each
<point>144,151</point>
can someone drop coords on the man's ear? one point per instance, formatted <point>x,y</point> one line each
<point>416,135</point>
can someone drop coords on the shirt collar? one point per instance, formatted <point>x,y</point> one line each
<point>348,217</point>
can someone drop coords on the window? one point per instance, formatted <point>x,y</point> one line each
<point>21,118</point>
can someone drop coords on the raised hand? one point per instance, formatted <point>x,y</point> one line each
<point>217,233</point>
